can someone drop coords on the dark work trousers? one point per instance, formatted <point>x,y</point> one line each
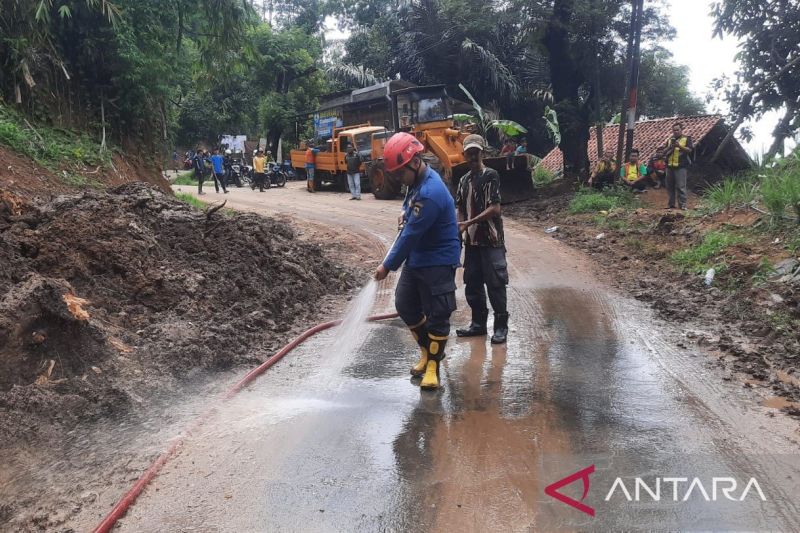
<point>428,292</point>
<point>200,178</point>
<point>260,180</point>
<point>603,180</point>
<point>485,268</point>
<point>219,181</point>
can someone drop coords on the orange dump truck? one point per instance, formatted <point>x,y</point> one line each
<point>329,163</point>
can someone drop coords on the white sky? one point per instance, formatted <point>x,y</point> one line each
<point>707,58</point>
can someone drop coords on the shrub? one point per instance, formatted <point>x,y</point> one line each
<point>590,201</point>
<point>732,192</point>
<point>543,177</point>
<point>191,200</point>
<point>185,178</point>
<point>698,258</point>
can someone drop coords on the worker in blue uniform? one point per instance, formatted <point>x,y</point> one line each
<point>429,246</point>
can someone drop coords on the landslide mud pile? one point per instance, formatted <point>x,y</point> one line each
<point>109,298</point>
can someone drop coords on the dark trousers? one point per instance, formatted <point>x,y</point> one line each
<point>259,179</point>
<point>428,292</point>
<point>485,270</point>
<point>603,180</point>
<point>219,181</point>
<point>200,178</point>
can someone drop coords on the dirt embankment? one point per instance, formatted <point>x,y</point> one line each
<point>22,176</point>
<point>745,317</point>
<point>107,298</point>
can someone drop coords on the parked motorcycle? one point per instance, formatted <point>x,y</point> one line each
<point>275,175</point>
<point>236,173</point>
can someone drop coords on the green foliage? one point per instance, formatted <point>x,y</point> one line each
<point>185,178</point>
<point>50,147</point>
<point>780,187</point>
<point>588,200</point>
<point>551,122</point>
<point>664,87</point>
<point>125,65</point>
<point>278,80</point>
<point>730,193</point>
<point>765,269</point>
<point>542,177</point>
<point>191,200</point>
<point>706,254</point>
<point>768,77</point>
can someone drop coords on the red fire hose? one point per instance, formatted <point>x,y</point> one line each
<point>129,497</point>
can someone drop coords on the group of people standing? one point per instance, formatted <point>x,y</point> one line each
<point>220,168</point>
<point>205,164</point>
<point>433,227</point>
<point>668,168</point>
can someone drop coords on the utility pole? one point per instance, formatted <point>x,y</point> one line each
<point>633,84</point>
<point>635,23</point>
<point>597,100</point>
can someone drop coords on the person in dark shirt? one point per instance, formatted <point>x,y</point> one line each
<point>481,224</point>
<point>605,172</point>
<point>353,161</point>
<point>199,166</point>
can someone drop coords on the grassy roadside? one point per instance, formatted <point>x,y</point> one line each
<point>185,178</point>
<point>71,156</point>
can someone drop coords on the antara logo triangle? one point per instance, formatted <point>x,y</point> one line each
<point>552,490</point>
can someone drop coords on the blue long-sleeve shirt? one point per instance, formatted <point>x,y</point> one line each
<point>430,235</point>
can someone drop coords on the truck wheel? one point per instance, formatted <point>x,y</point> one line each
<point>383,187</point>
<point>341,183</point>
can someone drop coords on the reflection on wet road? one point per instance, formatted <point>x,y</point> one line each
<point>326,443</point>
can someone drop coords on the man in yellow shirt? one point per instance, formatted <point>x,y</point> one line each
<point>259,168</point>
<point>678,150</point>
<point>604,172</point>
<point>633,173</point>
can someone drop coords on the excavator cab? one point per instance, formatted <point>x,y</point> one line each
<point>418,106</point>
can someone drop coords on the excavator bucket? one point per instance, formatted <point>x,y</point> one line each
<point>516,184</point>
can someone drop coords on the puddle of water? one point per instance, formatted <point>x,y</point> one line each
<point>777,402</point>
<point>785,377</point>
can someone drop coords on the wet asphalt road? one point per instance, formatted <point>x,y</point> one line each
<point>329,441</point>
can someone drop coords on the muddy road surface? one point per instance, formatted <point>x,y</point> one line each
<point>589,384</point>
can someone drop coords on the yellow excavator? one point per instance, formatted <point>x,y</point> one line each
<point>424,112</point>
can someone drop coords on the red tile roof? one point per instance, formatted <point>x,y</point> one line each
<point>648,136</point>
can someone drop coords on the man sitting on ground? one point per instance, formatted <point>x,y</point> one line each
<point>605,172</point>
<point>634,174</point>
<point>657,170</point>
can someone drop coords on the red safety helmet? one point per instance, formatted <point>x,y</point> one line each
<point>399,150</point>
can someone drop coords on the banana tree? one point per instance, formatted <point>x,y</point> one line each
<point>486,122</point>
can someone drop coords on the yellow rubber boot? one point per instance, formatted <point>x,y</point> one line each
<point>419,369</point>
<point>436,344</point>
<point>420,334</point>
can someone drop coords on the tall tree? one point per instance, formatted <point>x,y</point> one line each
<point>768,78</point>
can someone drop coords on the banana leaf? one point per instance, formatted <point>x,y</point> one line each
<point>509,128</point>
<point>462,117</point>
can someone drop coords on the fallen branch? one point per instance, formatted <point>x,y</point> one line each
<point>41,139</point>
<point>212,210</point>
